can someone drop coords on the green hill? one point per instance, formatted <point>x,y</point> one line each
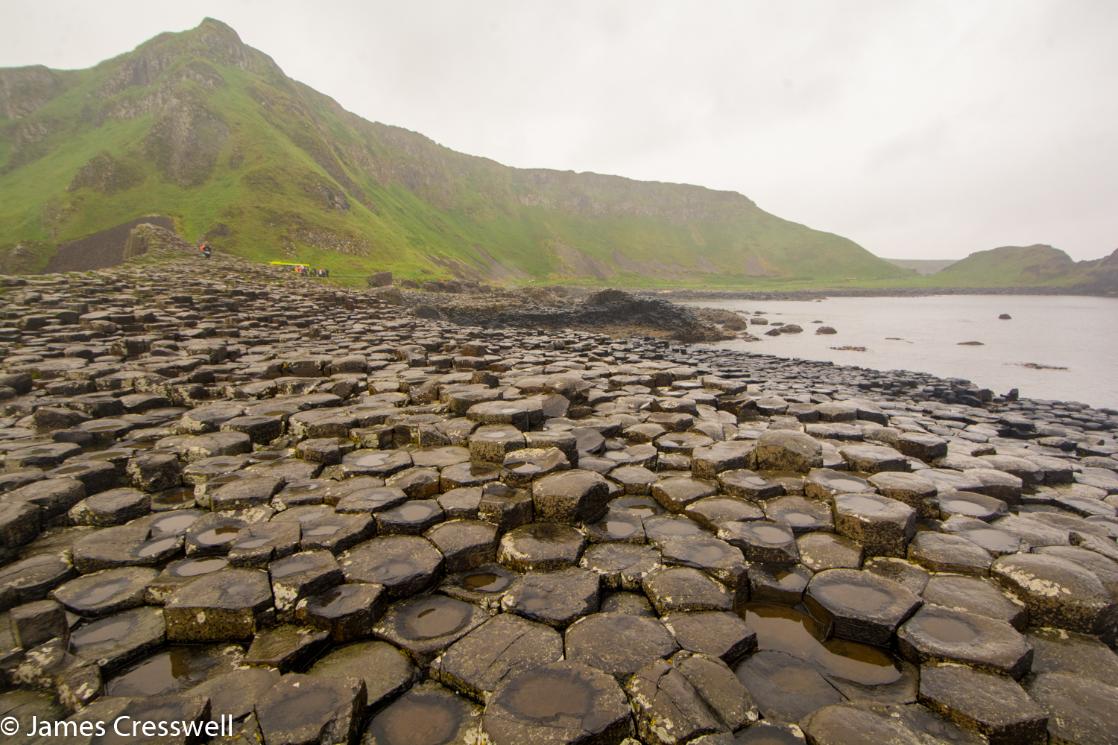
<point>1019,266</point>
<point>1036,266</point>
<point>200,128</point>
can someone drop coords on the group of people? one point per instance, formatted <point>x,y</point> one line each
<point>309,271</point>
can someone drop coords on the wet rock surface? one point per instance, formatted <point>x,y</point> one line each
<point>298,506</point>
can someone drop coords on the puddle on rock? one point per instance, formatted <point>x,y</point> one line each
<point>551,533</point>
<point>174,669</point>
<point>100,632</point>
<point>485,582</point>
<point>785,629</point>
<point>172,499</point>
<point>770,533</point>
<point>217,536</point>
<point>549,697</point>
<point>411,512</point>
<point>620,527</point>
<point>157,547</point>
<point>418,718</point>
<point>101,591</point>
<point>196,567</point>
<point>320,530</point>
<point>434,617</point>
<point>854,596</point>
<point>947,629</point>
<point>174,523</point>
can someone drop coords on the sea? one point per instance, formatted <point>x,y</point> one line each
<point>1061,347</point>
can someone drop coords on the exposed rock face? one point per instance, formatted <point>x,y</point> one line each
<point>24,89</point>
<point>105,174</point>
<point>226,490</point>
<point>107,247</point>
<point>185,141</point>
<point>147,237</point>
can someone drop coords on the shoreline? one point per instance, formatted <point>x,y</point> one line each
<point>687,294</point>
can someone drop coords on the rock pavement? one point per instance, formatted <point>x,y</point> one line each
<point>227,491</point>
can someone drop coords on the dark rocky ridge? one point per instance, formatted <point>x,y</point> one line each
<point>230,491</point>
<point>104,249</point>
<point>558,307</point>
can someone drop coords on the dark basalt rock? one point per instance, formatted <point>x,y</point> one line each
<point>785,450</point>
<point>881,525</point>
<point>974,595</point>
<point>558,704</point>
<point>1059,651</point>
<point>175,669</point>
<point>820,551</point>
<point>1058,592</point>
<point>502,647</point>
<point>112,507</point>
<point>541,547</point>
<point>668,708</point>
<point>104,592</point>
<point>285,647</point>
<point>555,598</point>
<point>347,611</point>
<point>235,693</point>
<point>426,715</point>
<point>719,634</point>
<point>404,565</point>
<point>746,483</point>
<point>300,575</point>
<point>861,724</point>
<point>425,625</point>
<point>860,606</point>
<point>621,566</point>
<point>306,709</point>
<point>784,688</point>
<point>1087,708</point>
<point>117,639</point>
<point>762,541</point>
<point>618,643</point>
<point>484,585</point>
<point>683,589</point>
<point>570,496</point>
<point>939,552</point>
<point>992,705</point>
<point>385,670</point>
<point>938,634</point>
<point>800,514</point>
<point>220,606</point>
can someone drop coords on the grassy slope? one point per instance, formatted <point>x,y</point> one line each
<point>1012,266</point>
<point>415,207</point>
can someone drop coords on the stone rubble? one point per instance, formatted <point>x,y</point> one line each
<point>227,491</point>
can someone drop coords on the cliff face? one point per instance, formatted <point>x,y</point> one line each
<point>204,129</point>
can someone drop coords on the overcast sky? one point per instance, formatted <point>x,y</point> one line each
<point>919,129</point>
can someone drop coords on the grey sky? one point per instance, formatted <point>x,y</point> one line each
<point>919,129</point>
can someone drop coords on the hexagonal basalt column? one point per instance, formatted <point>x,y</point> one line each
<point>225,605</point>
<point>860,606</point>
<point>883,526</point>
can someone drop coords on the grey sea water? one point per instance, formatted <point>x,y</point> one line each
<point>924,334</point>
